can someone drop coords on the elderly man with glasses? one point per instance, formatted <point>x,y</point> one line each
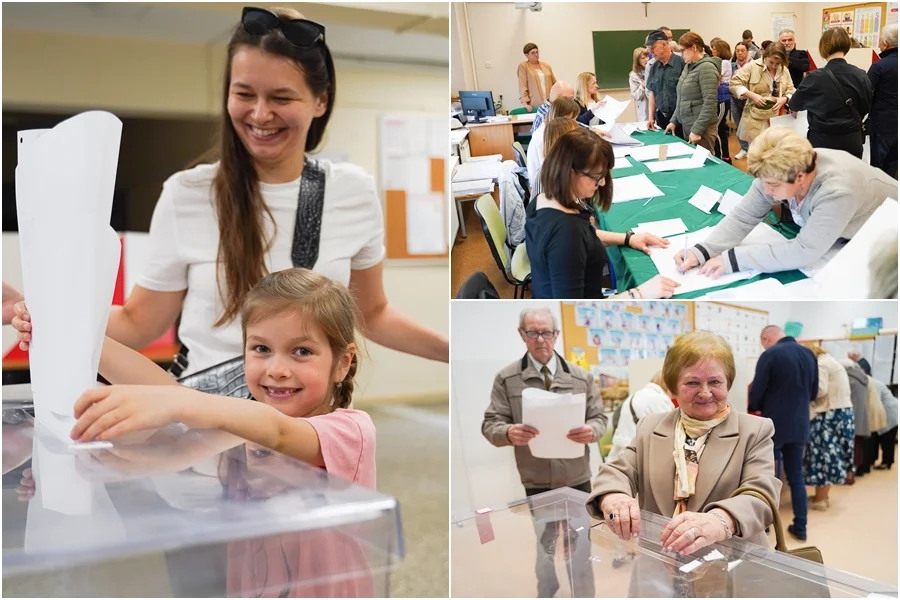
<point>543,368</point>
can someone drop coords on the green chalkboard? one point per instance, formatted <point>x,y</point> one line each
<point>613,52</point>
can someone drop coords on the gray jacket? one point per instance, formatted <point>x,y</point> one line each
<point>844,194</point>
<point>890,406</point>
<point>859,396</point>
<point>506,409</point>
<point>698,95</point>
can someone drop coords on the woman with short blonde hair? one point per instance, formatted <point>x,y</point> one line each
<point>830,195</point>
<point>715,450</point>
<point>637,81</point>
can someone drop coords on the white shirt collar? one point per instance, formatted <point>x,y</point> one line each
<point>550,365</point>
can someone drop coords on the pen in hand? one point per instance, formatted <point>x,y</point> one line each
<point>684,254</point>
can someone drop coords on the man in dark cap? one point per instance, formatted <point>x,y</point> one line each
<point>662,81</point>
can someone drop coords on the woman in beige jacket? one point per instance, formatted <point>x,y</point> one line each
<point>767,78</point>
<point>686,463</point>
<point>535,78</point>
<point>829,451</point>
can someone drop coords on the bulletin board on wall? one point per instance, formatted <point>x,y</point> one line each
<point>412,154</point>
<point>862,21</point>
<point>740,326</point>
<point>603,337</point>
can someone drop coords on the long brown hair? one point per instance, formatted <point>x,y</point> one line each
<point>240,208</point>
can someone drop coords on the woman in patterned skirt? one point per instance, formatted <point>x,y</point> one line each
<point>829,451</point>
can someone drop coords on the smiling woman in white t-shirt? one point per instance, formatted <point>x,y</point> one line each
<point>264,206</point>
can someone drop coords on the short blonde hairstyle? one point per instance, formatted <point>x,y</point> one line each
<point>780,153</point>
<point>883,267</point>
<point>581,89</point>
<point>690,349</point>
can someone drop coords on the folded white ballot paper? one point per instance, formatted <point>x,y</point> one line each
<point>633,188</point>
<point>846,276</point>
<point>70,255</point>
<point>728,201</point>
<point>697,159</point>
<point>673,150</point>
<point>800,124</point>
<point>705,199</point>
<point>554,416</point>
<point>617,135</point>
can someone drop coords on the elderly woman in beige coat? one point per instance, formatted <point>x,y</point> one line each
<point>687,463</point>
<point>765,79</point>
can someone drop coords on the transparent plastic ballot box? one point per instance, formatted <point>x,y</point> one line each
<point>185,513</point>
<point>548,545</point>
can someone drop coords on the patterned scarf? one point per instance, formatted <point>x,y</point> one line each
<point>690,441</point>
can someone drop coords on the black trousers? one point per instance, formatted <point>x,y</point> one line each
<point>883,147</point>
<point>662,121</point>
<point>886,441</point>
<point>721,146</point>
<point>848,142</point>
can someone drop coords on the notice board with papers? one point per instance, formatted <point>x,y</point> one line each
<point>412,154</point>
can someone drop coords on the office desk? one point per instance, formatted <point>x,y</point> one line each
<point>496,138</point>
<point>633,267</point>
<point>467,197</point>
<point>187,513</point>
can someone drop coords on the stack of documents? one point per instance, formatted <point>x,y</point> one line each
<point>486,158</point>
<point>618,136</point>
<point>554,416</point>
<point>471,171</point>
<point>610,110</point>
<point>467,188</point>
<point>526,117</point>
<point>65,179</point>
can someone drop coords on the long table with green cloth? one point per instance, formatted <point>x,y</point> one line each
<point>633,267</point>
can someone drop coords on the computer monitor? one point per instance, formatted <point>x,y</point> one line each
<point>477,105</point>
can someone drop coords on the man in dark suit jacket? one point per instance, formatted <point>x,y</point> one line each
<point>798,60</point>
<point>883,116</point>
<point>786,382</point>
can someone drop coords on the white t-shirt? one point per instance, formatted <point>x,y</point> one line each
<point>534,156</point>
<point>184,242</point>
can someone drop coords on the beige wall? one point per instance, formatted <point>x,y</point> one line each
<point>135,77</point>
<point>563,31</point>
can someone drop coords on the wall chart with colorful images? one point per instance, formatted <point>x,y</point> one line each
<point>740,326</point>
<point>862,21</point>
<point>603,337</point>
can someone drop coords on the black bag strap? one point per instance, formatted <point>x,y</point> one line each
<point>634,416</point>
<point>847,100</point>
<point>308,222</point>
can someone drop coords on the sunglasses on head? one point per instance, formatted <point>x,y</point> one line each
<point>300,32</point>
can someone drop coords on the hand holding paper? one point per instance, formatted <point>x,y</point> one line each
<point>520,435</point>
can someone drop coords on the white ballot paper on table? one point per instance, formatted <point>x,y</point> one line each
<point>634,188</point>
<point>729,200</point>
<point>622,162</point>
<point>697,159</point>
<point>620,151</point>
<point>846,276</point>
<point>652,152</point>
<point>554,416</point>
<point>611,110</point>
<point>692,280</point>
<point>70,256</point>
<point>705,199</point>
<point>663,228</point>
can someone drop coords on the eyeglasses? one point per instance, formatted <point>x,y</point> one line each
<point>547,335</point>
<point>300,32</point>
<point>597,179</point>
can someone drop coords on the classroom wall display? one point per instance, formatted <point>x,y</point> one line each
<point>862,21</point>
<point>412,161</point>
<point>603,337</point>
<point>738,325</point>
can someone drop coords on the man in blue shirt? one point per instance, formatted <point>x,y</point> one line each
<point>662,81</point>
<point>786,382</point>
<point>559,89</point>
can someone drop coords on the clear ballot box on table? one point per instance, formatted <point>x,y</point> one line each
<point>185,513</point>
<point>548,545</point>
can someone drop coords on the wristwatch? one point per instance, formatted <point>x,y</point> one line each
<point>628,235</point>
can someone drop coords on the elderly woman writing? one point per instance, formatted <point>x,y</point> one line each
<point>687,462</point>
<point>830,195</point>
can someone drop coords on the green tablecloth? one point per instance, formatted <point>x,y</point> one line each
<point>633,267</point>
